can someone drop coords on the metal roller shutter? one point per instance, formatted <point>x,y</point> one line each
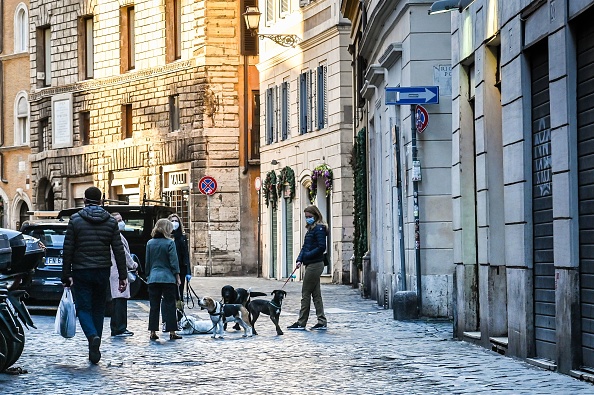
<point>585,115</point>
<point>542,206</point>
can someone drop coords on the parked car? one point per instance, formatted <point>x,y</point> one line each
<point>140,221</point>
<point>46,282</point>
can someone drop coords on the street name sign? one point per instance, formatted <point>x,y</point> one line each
<point>412,95</point>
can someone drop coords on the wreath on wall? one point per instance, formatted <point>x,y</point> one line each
<point>270,194</point>
<point>325,172</point>
<point>286,177</point>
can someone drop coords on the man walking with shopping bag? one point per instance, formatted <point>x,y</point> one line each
<point>90,234</point>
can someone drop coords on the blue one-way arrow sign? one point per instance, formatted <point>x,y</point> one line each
<point>412,95</point>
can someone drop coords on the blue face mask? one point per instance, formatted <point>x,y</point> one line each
<point>310,220</point>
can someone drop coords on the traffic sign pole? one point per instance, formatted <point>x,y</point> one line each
<point>415,182</point>
<point>209,235</point>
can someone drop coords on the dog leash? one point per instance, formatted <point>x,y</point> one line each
<point>189,292</point>
<point>291,276</point>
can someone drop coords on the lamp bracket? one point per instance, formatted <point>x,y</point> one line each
<point>285,40</point>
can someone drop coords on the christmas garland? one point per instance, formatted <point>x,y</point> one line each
<point>286,176</point>
<point>270,195</point>
<point>360,198</point>
<point>325,172</point>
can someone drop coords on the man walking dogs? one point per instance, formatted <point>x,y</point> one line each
<point>87,262</point>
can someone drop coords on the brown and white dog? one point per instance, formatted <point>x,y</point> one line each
<point>222,313</point>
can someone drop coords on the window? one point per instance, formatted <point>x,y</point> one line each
<point>283,7</point>
<point>84,120</point>
<point>21,125</point>
<point>284,110</point>
<point>269,11</point>
<point>173,14</point>
<point>43,134</point>
<point>255,135</point>
<point>128,39</point>
<point>174,113</point>
<point>21,29</point>
<point>322,101</point>
<point>44,53</point>
<point>86,47</point>
<point>127,121</point>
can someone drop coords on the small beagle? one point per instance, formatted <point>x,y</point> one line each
<point>222,313</point>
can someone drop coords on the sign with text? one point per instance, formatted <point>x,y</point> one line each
<point>62,121</point>
<point>412,95</point>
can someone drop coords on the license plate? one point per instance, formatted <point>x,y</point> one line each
<point>53,261</point>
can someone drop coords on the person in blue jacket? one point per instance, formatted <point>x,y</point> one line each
<point>312,257</point>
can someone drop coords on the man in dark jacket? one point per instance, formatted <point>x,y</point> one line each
<point>87,263</point>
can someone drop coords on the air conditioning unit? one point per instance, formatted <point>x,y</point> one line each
<point>303,3</point>
<point>40,75</point>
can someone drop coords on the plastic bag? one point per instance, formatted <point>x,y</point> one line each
<point>65,324</point>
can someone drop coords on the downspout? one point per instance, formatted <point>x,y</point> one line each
<point>2,177</point>
<point>245,114</point>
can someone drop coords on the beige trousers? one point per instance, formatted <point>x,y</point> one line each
<point>311,290</point>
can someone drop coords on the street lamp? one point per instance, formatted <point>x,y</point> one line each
<point>252,21</point>
<point>448,6</point>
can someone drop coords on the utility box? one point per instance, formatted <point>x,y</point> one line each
<point>404,304</point>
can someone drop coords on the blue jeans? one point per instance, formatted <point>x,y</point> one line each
<point>90,292</point>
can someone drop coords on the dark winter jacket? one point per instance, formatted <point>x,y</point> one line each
<point>183,254</point>
<point>89,235</point>
<point>314,245</point>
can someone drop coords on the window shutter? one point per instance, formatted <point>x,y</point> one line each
<point>269,10</point>
<point>269,116</point>
<point>276,113</point>
<point>249,43</point>
<point>284,111</point>
<point>325,106</point>
<point>303,103</point>
<point>309,101</point>
<point>320,97</point>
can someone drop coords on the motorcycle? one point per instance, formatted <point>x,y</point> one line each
<point>13,316</point>
<point>19,255</point>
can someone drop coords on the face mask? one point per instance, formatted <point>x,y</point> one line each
<point>121,225</point>
<point>175,225</point>
<point>310,220</point>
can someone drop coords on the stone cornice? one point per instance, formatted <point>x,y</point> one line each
<point>111,81</point>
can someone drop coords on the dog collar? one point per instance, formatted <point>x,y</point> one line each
<point>273,305</point>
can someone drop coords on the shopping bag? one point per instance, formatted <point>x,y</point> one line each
<point>65,324</point>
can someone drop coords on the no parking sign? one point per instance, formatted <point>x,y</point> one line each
<point>207,185</point>
<point>422,118</point>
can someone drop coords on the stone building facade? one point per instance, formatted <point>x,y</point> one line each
<point>408,220</point>
<point>142,99</point>
<point>306,123</point>
<point>522,179</point>
<point>15,171</point>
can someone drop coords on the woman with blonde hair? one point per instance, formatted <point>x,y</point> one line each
<point>312,257</point>
<point>162,271</point>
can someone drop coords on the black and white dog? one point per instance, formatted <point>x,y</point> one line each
<point>271,308</point>
<point>223,313</point>
<point>240,296</point>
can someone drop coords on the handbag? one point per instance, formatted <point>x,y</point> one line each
<point>326,260</point>
<point>65,323</point>
<point>132,276</point>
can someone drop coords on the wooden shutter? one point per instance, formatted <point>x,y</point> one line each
<point>249,42</point>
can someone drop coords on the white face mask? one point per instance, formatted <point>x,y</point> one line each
<point>121,225</point>
<point>175,225</point>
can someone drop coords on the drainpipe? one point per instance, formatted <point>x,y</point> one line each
<point>2,177</point>
<point>245,114</point>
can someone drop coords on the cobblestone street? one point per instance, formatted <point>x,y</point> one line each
<point>364,351</point>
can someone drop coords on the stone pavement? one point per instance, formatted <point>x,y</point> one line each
<point>364,351</point>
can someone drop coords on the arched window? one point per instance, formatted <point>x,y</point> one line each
<point>21,122</point>
<point>21,28</point>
